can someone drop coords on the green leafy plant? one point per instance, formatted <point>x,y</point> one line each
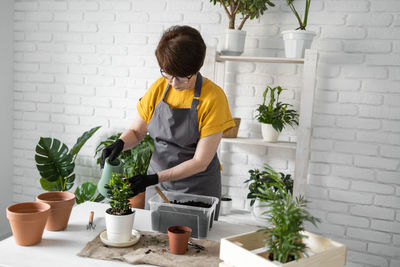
<point>136,160</point>
<point>302,22</point>
<point>287,214</point>
<point>120,191</point>
<point>265,179</point>
<point>56,164</point>
<point>276,113</point>
<point>249,9</point>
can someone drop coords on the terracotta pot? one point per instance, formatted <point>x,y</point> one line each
<point>178,239</point>
<point>138,201</point>
<point>61,205</point>
<point>27,221</point>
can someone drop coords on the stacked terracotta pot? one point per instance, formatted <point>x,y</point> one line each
<point>28,219</point>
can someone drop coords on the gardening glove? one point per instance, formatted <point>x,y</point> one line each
<point>112,151</point>
<point>140,182</point>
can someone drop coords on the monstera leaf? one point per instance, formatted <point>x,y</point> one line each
<point>82,140</point>
<point>87,192</point>
<point>55,163</point>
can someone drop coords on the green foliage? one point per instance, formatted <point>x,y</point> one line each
<point>266,179</point>
<point>136,160</point>
<point>120,191</point>
<point>87,192</point>
<point>276,113</point>
<point>287,216</point>
<point>302,23</point>
<point>56,164</point>
<point>249,9</point>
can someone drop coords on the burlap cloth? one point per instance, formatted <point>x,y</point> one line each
<point>152,248</point>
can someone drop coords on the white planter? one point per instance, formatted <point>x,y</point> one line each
<point>226,207</point>
<point>296,42</point>
<point>258,209</point>
<point>233,44</point>
<point>269,133</point>
<point>119,227</point>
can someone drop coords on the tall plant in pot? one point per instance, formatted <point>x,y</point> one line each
<point>275,115</point>
<point>120,216</point>
<point>249,9</point>
<point>263,179</point>
<point>297,41</point>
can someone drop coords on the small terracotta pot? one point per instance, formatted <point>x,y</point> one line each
<point>178,239</point>
<point>61,205</point>
<point>27,221</point>
<point>137,201</point>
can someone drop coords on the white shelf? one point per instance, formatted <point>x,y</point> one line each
<point>221,58</point>
<point>259,142</point>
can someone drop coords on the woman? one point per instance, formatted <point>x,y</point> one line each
<point>185,114</point>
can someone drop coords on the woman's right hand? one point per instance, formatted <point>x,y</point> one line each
<point>112,151</point>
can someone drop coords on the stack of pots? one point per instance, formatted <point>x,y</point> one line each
<point>29,219</point>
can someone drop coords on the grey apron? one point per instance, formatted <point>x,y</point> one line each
<point>176,133</point>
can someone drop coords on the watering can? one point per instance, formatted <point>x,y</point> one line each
<point>110,167</point>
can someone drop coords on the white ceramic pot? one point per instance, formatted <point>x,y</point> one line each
<point>233,44</point>
<point>269,133</point>
<point>296,42</point>
<point>226,207</point>
<point>119,227</point>
<point>258,211</point>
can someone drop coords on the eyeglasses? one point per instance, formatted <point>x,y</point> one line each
<point>178,79</point>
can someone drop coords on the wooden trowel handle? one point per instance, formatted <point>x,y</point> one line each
<point>162,195</point>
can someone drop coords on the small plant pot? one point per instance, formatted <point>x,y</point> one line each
<point>296,42</point>
<point>119,227</point>
<point>27,221</point>
<point>178,239</point>
<point>61,205</point>
<point>232,133</point>
<point>138,201</point>
<point>109,168</point>
<point>233,44</point>
<point>269,133</point>
<point>226,206</point>
<point>258,210</point>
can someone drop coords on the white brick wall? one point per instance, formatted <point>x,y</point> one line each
<point>78,64</point>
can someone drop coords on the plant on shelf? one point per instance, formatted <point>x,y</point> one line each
<point>136,161</point>
<point>300,39</point>
<point>275,115</point>
<point>56,163</point>
<point>249,9</point>
<point>287,214</point>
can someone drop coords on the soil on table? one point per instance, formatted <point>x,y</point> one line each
<point>192,203</point>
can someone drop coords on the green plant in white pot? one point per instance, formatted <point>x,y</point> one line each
<point>119,217</point>
<point>298,40</point>
<point>249,9</point>
<point>275,115</point>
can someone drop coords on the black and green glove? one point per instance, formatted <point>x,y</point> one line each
<point>140,182</point>
<point>112,151</point>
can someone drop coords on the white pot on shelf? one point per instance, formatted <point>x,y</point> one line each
<point>119,227</point>
<point>226,206</point>
<point>296,42</point>
<point>269,133</point>
<point>233,44</point>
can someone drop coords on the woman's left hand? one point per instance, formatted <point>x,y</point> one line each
<point>140,182</point>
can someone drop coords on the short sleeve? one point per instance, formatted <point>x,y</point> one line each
<point>149,101</point>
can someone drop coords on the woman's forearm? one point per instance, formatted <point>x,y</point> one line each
<point>183,170</point>
<point>134,134</point>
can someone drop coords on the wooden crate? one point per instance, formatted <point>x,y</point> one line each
<point>248,250</point>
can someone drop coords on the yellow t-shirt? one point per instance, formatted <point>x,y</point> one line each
<point>213,114</point>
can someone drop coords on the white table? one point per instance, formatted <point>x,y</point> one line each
<point>59,249</point>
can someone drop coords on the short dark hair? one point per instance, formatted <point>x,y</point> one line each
<point>181,51</point>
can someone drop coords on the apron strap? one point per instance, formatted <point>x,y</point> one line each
<point>197,91</point>
<point>165,92</point>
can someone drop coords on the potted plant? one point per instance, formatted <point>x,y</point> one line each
<point>226,204</point>
<point>56,163</point>
<point>249,9</point>
<point>136,161</point>
<point>297,41</point>
<point>275,115</point>
<point>284,242</point>
<point>120,216</point>
<point>264,179</point>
